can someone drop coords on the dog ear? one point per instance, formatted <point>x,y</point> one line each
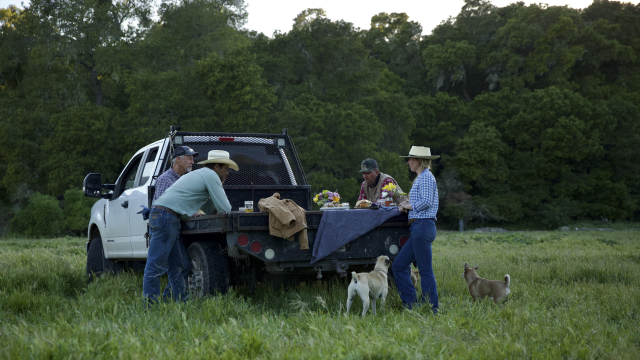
<point>466,266</point>
<point>475,267</point>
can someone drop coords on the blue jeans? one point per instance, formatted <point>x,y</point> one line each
<point>417,248</point>
<point>184,268</point>
<point>164,256</point>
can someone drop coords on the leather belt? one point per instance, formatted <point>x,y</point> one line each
<point>412,220</point>
<point>165,209</point>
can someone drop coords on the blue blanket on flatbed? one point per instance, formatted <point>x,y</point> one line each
<point>339,227</point>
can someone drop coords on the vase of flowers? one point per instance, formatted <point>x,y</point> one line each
<point>388,192</point>
<point>327,197</point>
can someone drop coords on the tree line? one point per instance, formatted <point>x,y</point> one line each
<point>534,109</point>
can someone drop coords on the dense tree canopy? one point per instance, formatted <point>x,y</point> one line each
<point>535,109</point>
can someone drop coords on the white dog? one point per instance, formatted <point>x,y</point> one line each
<point>372,285</point>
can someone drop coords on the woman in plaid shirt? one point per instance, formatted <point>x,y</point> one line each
<point>422,208</point>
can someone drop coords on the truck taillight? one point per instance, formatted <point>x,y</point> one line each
<point>243,240</point>
<point>403,240</point>
<point>226,139</point>
<point>256,246</point>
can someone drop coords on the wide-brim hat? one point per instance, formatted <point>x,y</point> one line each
<point>220,157</point>
<point>421,152</point>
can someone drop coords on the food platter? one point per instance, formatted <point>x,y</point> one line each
<point>334,208</point>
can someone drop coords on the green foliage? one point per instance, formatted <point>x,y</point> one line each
<point>535,109</point>
<point>89,135</point>
<point>305,18</point>
<point>239,96</point>
<point>440,121</point>
<point>77,211</point>
<point>449,62</point>
<point>41,217</point>
<point>395,40</point>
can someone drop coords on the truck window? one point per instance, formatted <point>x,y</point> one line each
<point>149,166</point>
<point>132,172</point>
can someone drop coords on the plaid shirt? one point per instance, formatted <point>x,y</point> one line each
<point>164,182</point>
<point>424,197</point>
<point>363,196</point>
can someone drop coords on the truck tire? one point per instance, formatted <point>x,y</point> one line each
<point>97,264</point>
<point>94,259</point>
<point>209,269</point>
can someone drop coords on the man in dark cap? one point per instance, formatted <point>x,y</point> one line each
<point>181,163</point>
<point>374,181</point>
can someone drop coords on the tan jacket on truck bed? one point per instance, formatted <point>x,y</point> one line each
<point>286,219</point>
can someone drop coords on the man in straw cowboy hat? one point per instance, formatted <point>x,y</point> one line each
<point>199,189</point>
<point>180,165</point>
<point>422,208</point>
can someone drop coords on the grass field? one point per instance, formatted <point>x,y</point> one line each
<point>573,295</point>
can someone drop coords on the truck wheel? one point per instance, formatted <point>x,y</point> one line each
<point>94,259</point>
<point>209,269</point>
<point>97,264</point>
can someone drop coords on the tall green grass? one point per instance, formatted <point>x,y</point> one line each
<point>573,295</point>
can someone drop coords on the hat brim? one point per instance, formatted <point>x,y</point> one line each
<point>432,157</point>
<point>232,164</point>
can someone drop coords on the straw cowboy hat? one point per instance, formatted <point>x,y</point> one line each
<point>220,157</point>
<point>421,152</point>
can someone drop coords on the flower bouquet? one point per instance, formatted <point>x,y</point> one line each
<point>327,198</point>
<point>389,191</point>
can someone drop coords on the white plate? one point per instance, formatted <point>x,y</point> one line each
<point>335,208</point>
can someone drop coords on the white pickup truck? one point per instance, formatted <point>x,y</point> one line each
<point>224,249</point>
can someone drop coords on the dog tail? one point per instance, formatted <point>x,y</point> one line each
<point>507,279</point>
<point>354,277</point>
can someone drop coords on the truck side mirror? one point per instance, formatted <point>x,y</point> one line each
<point>92,186</point>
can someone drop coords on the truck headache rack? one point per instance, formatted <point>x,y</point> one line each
<point>259,156</point>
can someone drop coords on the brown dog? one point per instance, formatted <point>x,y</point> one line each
<point>373,285</point>
<point>480,288</point>
<point>415,277</point>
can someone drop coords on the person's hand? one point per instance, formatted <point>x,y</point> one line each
<point>199,213</point>
<point>404,206</point>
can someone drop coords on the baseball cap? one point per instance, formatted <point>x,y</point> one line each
<point>368,165</point>
<point>184,150</point>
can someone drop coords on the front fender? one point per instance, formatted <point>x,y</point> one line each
<point>97,224</point>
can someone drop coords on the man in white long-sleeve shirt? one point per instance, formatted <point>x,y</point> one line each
<point>199,189</point>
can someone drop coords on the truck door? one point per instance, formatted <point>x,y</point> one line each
<point>136,224</point>
<point>118,241</point>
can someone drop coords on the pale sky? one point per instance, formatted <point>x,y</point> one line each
<point>266,16</point>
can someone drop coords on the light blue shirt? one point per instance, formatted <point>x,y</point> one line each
<point>424,196</point>
<point>199,189</point>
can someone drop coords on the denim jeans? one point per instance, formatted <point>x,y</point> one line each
<point>164,256</point>
<point>417,248</point>
<point>184,269</point>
